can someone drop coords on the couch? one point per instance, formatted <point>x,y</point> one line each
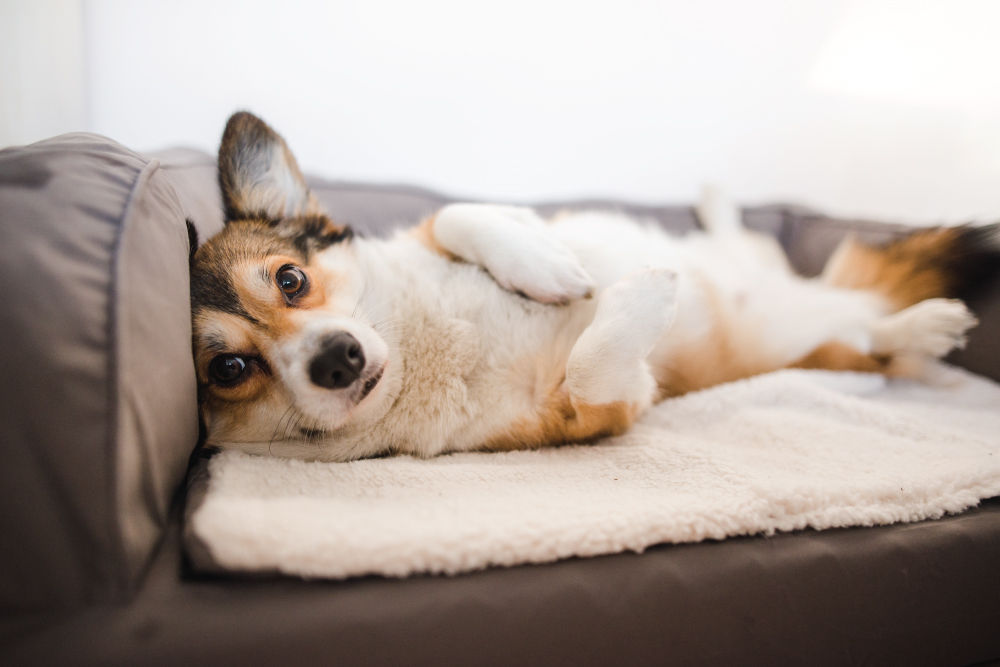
<point>98,426</point>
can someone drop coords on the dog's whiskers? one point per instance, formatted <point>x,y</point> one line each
<point>389,327</point>
<point>290,410</point>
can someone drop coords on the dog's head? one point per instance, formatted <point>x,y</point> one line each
<point>280,349</point>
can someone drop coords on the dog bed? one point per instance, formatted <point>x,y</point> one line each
<point>785,451</point>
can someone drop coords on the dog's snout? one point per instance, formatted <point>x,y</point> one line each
<point>339,362</point>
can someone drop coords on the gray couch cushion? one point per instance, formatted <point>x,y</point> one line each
<point>98,413</point>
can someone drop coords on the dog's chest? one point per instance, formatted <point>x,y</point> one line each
<point>464,371</point>
<point>439,358</point>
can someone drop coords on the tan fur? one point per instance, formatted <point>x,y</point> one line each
<point>424,232</point>
<point>835,356</point>
<point>706,364</point>
<point>561,420</point>
<point>242,339</point>
<point>905,272</point>
<point>713,359</point>
<point>264,301</point>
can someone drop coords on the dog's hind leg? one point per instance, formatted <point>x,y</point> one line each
<point>608,382</point>
<point>930,328</point>
<point>901,342</point>
<point>608,363</point>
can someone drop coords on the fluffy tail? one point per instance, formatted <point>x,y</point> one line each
<point>954,262</point>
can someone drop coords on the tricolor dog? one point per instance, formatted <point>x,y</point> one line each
<point>487,328</point>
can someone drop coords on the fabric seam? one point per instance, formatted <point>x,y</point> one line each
<point>121,581</point>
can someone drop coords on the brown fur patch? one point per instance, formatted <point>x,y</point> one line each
<point>224,333</point>
<point>907,271</point>
<point>836,356</point>
<point>710,362</point>
<point>562,420</point>
<point>218,265</point>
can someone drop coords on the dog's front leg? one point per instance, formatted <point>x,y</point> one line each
<point>514,244</point>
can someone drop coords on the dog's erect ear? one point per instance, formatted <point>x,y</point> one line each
<point>258,174</point>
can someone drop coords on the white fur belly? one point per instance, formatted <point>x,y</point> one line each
<point>474,357</point>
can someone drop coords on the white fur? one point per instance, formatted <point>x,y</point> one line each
<point>513,244</point>
<point>930,328</point>
<point>608,361</point>
<point>292,355</point>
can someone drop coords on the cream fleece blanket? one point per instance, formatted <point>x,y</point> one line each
<point>784,451</point>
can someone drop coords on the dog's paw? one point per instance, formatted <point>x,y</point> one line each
<point>608,362</point>
<point>517,248</point>
<point>526,258</point>
<point>639,308</point>
<point>543,270</point>
<point>931,328</point>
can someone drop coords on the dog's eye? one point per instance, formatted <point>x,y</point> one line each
<point>227,369</point>
<point>291,281</point>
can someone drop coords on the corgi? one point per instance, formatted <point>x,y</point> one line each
<point>485,327</point>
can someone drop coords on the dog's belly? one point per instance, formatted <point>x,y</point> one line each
<point>741,309</point>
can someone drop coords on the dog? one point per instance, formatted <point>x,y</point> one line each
<point>485,327</point>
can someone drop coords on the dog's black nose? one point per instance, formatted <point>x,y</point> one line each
<point>339,363</point>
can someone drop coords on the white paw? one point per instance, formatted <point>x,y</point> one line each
<point>932,328</point>
<point>516,246</point>
<point>639,308</point>
<point>541,268</point>
<point>608,361</point>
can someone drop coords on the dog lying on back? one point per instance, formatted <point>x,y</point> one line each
<point>487,328</point>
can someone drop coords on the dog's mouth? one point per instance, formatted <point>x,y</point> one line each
<point>370,383</point>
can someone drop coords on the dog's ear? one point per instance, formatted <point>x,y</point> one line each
<point>258,174</point>
<point>192,239</point>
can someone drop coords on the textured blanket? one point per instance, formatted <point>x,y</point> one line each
<point>779,452</point>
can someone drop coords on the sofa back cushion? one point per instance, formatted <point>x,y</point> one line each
<point>98,407</point>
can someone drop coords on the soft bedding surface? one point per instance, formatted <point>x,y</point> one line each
<point>785,451</point>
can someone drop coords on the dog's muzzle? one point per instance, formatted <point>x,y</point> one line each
<point>339,362</point>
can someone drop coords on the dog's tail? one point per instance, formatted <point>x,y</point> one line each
<point>954,262</point>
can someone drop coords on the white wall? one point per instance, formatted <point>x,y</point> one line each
<point>531,99</point>
<point>42,69</point>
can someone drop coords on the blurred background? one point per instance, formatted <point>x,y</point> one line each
<point>877,108</point>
